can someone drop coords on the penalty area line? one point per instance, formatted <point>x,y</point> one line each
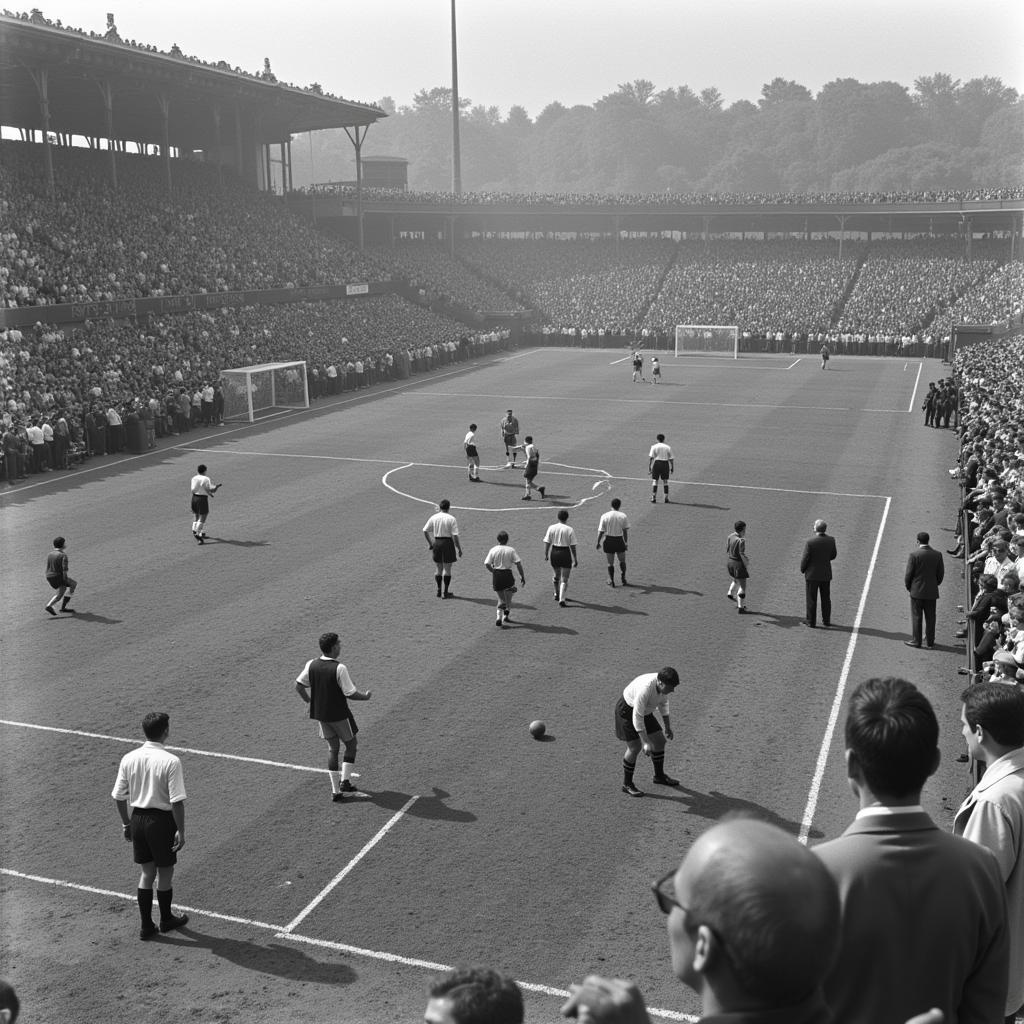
<point>281,933</point>
<point>837,700</point>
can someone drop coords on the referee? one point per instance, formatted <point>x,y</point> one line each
<point>613,536</point>
<point>151,783</point>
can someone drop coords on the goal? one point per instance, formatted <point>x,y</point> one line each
<point>253,392</point>
<point>708,339</point>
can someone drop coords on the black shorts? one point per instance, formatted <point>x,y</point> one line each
<point>659,471</point>
<point>153,836</point>
<point>510,440</point>
<point>531,470</point>
<point>200,505</point>
<point>737,570</point>
<point>561,558</point>
<point>471,451</point>
<point>444,550</point>
<point>624,722</point>
<point>56,582</point>
<point>502,579</point>
<point>613,545</point>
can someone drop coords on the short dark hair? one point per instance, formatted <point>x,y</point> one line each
<point>669,676</point>
<point>987,581</point>
<point>472,426</point>
<point>444,504</point>
<point>502,537</point>
<point>327,642</point>
<point>9,999</point>
<point>155,724</point>
<point>923,537</point>
<point>479,995</point>
<point>892,731</point>
<point>59,542</point>
<point>661,437</point>
<point>528,439</point>
<point>563,515</point>
<point>998,709</point>
<point>616,503</point>
<point>202,467</point>
<point>739,526</point>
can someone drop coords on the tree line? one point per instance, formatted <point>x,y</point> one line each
<point>851,136</point>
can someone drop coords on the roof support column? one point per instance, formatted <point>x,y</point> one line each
<point>42,84</point>
<point>107,92</point>
<point>842,232</point>
<point>215,110</point>
<point>239,166</point>
<point>165,116</point>
<point>286,156</point>
<point>356,134</point>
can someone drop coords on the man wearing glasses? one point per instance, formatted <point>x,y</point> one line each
<point>752,920</point>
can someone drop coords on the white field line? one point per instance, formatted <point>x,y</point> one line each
<point>917,381</point>
<point>350,866</point>
<point>282,933</point>
<point>792,364</point>
<point>183,750</point>
<point>837,700</point>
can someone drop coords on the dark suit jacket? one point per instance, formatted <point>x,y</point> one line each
<point>923,923</point>
<point>985,602</point>
<point>924,573</point>
<point>816,562</point>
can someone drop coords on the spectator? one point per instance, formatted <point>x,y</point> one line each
<point>474,995</point>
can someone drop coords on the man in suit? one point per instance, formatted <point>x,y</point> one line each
<point>993,814</point>
<point>923,912</point>
<point>924,573</point>
<point>816,565</point>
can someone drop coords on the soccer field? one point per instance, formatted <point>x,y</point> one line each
<point>475,843</point>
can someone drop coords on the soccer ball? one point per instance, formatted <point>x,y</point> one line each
<point>537,729</point>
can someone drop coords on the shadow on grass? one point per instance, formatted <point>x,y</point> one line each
<point>651,588</point>
<point>715,805</point>
<point>238,543</point>
<point>612,609</point>
<point>279,959</point>
<point>536,627</point>
<point>431,807</point>
<point>91,617</point>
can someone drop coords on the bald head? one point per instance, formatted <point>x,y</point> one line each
<point>768,912</point>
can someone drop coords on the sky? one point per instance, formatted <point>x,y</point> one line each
<point>534,52</point>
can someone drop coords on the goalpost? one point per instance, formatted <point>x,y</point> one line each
<point>252,392</point>
<point>708,339</point>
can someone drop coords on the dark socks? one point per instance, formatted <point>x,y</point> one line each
<point>145,898</point>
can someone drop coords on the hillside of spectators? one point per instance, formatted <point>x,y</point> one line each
<point>91,242</point>
<point>761,287</point>
<point>996,301</point>
<point>430,268</point>
<point>586,283</point>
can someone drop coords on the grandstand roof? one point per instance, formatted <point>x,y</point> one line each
<point>76,64</point>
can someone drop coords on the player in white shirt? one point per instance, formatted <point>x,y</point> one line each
<point>560,550</point>
<point>613,536</point>
<point>500,560</point>
<point>442,533</point>
<point>469,443</point>
<point>660,464</point>
<point>637,724</point>
<point>203,488</point>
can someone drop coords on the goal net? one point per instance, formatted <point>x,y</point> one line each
<point>253,392</point>
<point>707,339</point>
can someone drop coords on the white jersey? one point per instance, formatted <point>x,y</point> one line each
<point>660,452</point>
<point>613,523</point>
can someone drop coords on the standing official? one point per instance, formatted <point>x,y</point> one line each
<point>816,565</point>
<point>613,536</point>
<point>924,573</point>
<point>560,550</point>
<point>150,782</point>
<point>660,464</point>
<point>509,428</point>
<point>203,489</point>
<point>325,685</point>
<point>637,724</point>
<point>442,533</point>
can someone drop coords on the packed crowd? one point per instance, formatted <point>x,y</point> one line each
<point>588,284</point>
<point>90,242</point>
<point>904,285</point>
<point>69,394</point>
<point>997,300</point>
<point>991,380</point>
<point>669,200</point>
<point>430,268</point>
<point>111,35</point>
